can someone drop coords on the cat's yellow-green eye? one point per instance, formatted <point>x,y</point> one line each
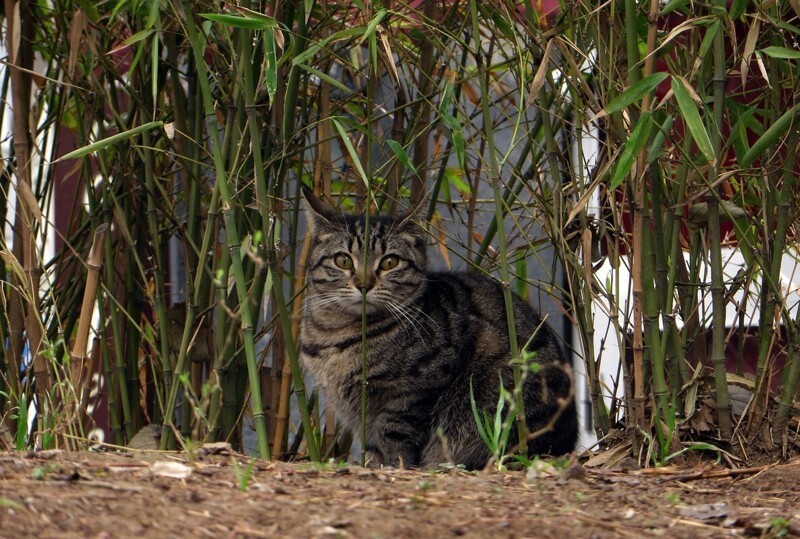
<point>343,261</point>
<point>389,262</point>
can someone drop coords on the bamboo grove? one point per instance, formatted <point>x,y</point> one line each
<point>652,139</point>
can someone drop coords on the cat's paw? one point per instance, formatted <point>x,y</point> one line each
<point>373,459</point>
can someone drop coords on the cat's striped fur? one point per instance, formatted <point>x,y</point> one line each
<point>428,335</point>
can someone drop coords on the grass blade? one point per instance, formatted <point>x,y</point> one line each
<point>109,141</point>
<point>637,140</point>
<point>633,94</point>
<point>692,118</point>
<point>770,136</point>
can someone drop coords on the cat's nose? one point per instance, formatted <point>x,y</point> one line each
<point>365,284</point>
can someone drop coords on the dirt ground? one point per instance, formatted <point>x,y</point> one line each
<point>219,494</point>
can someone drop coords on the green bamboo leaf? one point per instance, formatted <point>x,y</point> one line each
<point>770,136</point>
<point>692,118</point>
<point>672,5</point>
<point>658,140</point>
<point>238,21</point>
<point>109,141</point>
<point>457,135</point>
<point>271,62</point>
<point>351,150</point>
<point>373,24</point>
<point>634,145</point>
<point>634,93</point>
<point>780,52</point>
<point>455,178</point>
<point>327,78</point>
<point>738,137</point>
<point>788,27</point>
<point>154,57</point>
<point>401,154</point>
<point>708,39</point>
<point>314,48</point>
<point>22,422</point>
<point>447,97</point>
<point>153,14</point>
<point>308,5</point>
<point>135,38</point>
<point>373,51</point>
<point>737,8</point>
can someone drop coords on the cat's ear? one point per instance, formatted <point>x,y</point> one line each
<point>320,213</point>
<point>414,220</point>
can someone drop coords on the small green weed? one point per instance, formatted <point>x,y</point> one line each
<point>494,431</point>
<point>9,504</point>
<point>779,527</point>
<point>243,475</point>
<point>41,472</point>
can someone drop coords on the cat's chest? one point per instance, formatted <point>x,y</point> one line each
<point>337,372</point>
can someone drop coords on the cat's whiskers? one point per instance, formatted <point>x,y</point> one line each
<point>401,314</point>
<point>325,300</point>
<point>419,312</point>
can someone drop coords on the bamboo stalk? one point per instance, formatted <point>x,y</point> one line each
<point>80,370</point>
<point>717,282</point>
<point>792,365</point>
<point>20,28</point>
<point>423,116</point>
<point>231,233</point>
<point>495,182</point>
<point>282,417</point>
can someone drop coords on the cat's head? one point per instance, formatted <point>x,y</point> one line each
<point>393,249</point>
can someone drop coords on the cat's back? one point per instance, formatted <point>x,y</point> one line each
<point>479,301</point>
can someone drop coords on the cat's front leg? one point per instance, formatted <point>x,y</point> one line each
<point>393,450</point>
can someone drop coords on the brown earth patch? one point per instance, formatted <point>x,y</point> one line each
<point>97,495</point>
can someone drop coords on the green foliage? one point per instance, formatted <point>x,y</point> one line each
<point>195,126</point>
<point>780,527</point>
<point>243,475</point>
<point>495,429</point>
<point>21,418</point>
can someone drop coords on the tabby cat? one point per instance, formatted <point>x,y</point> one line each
<point>429,336</point>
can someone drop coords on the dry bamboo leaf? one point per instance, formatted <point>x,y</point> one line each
<point>120,222</point>
<point>749,48</point>
<point>12,33</point>
<point>217,448</point>
<point>540,469</point>
<point>146,438</point>
<point>701,419</point>
<point>748,380</point>
<point>689,89</point>
<point>763,69</point>
<point>541,73</point>
<point>706,511</point>
<point>442,237</point>
<point>795,6</point>
<point>610,457</point>
<point>31,205</point>
<point>470,93</point>
<point>12,262</point>
<point>174,470</point>
<point>739,398</point>
<point>389,55</point>
<point>75,36</point>
<point>586,197</point>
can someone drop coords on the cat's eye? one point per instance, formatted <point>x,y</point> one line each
<point>389,262</point>
<point>343,261</point>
